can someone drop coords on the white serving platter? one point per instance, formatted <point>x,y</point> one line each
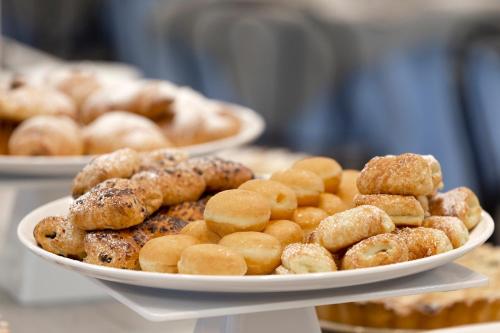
<point>252,126</point>
<point>247,284</point>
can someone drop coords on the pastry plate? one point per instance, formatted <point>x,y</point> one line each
<point>252,126</point>
<point>268,283</point>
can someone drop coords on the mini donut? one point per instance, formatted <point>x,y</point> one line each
<point>283,199</point>
<point>406,174</point>
<point>308,218</point>
<point>301,258</point>
<point>119,164</point>
<point>176,184</point>
<point>46,136</point>
<point>403,209</point>
<point>326,168</point>
<point>162,254</point>
<point>348,188</point>
<point>58,235</point>
<point>383,249</point>
<point>198,229</point>
<point>237,210</point>
<point>285,231</point>
<point>344,229</point>
<point>219,174</point>
<point>424,242</point>
<point>261,251</point>
<point>189,210</point>
<point>460,202</point>
<point>211,259</point>
<point>306,185</point>
<point>452,226</point>
<point>331,203</point>
<point>161,158</point>
<point>437,176</point>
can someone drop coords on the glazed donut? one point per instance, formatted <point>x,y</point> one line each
<point>199,230</point>
<point>114,204</point>
<point>382,249</point>
<point>351,226</point>
<point>308,218</point>
<point>406,174</point>
<point>452,226</point>
<point>161,158</point>
<point>282,198</point>
<point>162,254</point>
<point>58,235</point>
<point>348,188</point>
<point>46,135</point>
<point>285,231</point>
<point>237,210</point>
<point>219,174</point>
<point>176,184</point>
<point>189,210</point>
<point>424,242</point>
<point>211,259</point>
<point>119,164</point>
<point>326,168</point>
<point>437,176</point>
<point>331,203</point>
<point>261,251</point>
<point>403,210</point>
<point>301,258</point>
<point>306,185</point>
<point>460,202</point>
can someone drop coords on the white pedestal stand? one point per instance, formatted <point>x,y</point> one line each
<point>290,312</point>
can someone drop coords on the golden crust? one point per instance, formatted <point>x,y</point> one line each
<point>285,231</point>
<point>299,258</point>
<point>326,168</point>
<point>161,254</point>
<point>308,218</point>
<point>331,203</point>
<point>58,235</point>
<point>424,242</point>
<point>199,229</point>
<point>460,202</point>
<point>161,158</point>
<point>452,226</point>
<point>437,176</point>
<point>211,259</point>
<point>347,187</point>
<point>403,210</point>
<point>189,210</point>
<point>306,185</point>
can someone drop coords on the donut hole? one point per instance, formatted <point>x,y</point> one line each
<point>280,198</point>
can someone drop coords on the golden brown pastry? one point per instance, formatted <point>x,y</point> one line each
<point>452,226</point>
<point>76,83</point>
<point>189,210</point>
<point>424,242</point>
<point>351,226</point>
<point>326,168</point>
<point>161,158</point>
<point>424,202</point>
<point>301,258</point>
<point>211,259</point>
<point>308,218</point>
<point>282,198</point>
<point>261,251</point>
<point>437,176</point>
<point>199,230</point>
<point>403,209</point>
<point>161,254</point>
<point>281,270</point>
<point>382,249</point>
<point>306,185</point>
<point>118,129</point>
<point>237,210</point>
<point>119,164</point>
<point>460,202</point>
<point>348,188</point>
<point>285,231</point>
<point>58,235</point>
<point>46,135</point>
<point>114,204</point>
<point>406,174</point>
<point>331,203</point>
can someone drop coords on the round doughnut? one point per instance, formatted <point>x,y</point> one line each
<point>162,254</point>
<point>301,258</point>
<point>119,164</point>
<point>285,231</point>
<point>237,210</point>
<point>211,259</point>
<point>460,202</point>
<point>306,185</point>
<point>308,218</point>
<point>348,188</point>
<point>326,168</point>
<point>383,249</point>
<point>46,135</point>
<point>452,226</point>
<point>424,242</point>
<point>283,199</point>
<point>331,203</point>
<point>58,235</point>
<point>261,251</point>
<point>351,226</point>
<point>198,229</point>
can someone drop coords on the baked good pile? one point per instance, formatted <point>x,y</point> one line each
<point>75,111</point>
<point>163,212</point>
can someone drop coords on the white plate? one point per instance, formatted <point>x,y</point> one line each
<point>247,283</point>
<point>252,125</point>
